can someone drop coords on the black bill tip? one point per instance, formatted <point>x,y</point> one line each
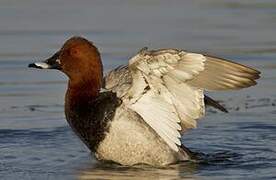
<point>42,65</point>
<point>33,65</point>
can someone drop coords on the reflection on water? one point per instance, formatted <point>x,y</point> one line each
<point>35,141</point>
<point>183,170</point>
<point>105,171</point>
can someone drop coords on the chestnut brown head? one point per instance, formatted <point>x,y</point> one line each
<point>78,58</point>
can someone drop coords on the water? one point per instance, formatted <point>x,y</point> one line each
<point>35,141</point>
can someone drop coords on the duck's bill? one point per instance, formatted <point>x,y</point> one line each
<point>50,63</point>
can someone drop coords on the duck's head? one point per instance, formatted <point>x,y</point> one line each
<point>79,59</point>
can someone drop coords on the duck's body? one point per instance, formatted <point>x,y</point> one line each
<point>145,107</point>
<point>117,133</point>
<point>130,141</point>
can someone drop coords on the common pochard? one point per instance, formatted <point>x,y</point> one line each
<point>136,113</point>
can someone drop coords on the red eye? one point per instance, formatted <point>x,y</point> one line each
<point>74,52</point>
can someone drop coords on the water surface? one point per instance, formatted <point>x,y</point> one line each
<point>36,142</point>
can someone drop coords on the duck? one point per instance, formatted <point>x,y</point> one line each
<point>137,113</point>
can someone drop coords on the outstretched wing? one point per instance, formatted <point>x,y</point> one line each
<point>166,88</point>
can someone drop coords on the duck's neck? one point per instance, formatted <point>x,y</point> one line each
<point>81,93</point>
<point>79,111</point>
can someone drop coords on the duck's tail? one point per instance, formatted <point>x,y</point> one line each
<point>211,102</point>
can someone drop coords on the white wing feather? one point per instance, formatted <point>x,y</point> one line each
<point>159,115</point>
<point>159,94</point>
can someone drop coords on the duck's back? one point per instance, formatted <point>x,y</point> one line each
<point>118,80</point>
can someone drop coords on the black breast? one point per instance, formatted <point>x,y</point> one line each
<point>90,118</point>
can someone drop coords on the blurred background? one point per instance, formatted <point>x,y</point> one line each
<point>35,140</point>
